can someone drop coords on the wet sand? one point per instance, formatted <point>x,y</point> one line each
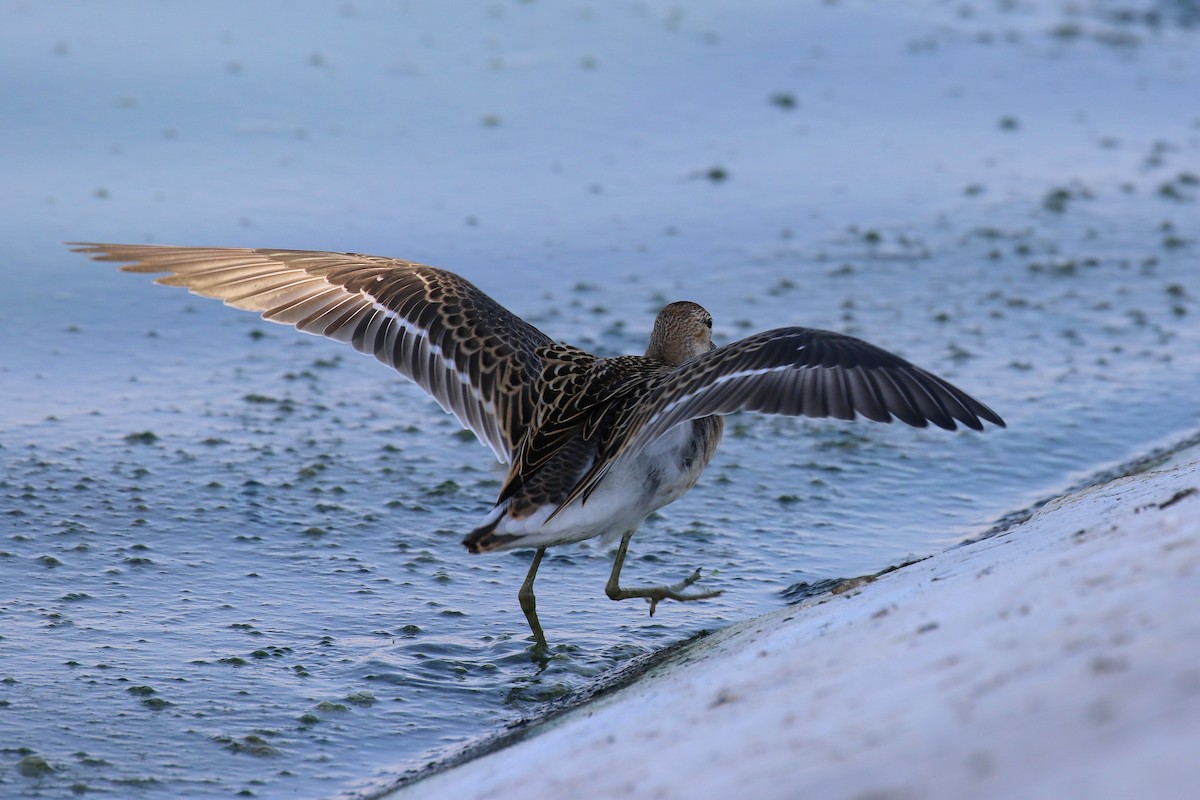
<point>1057,659</point>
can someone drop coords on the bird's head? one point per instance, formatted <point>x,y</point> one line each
<point>682,330</point>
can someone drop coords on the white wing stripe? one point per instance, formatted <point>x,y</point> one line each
<point>723,379</point>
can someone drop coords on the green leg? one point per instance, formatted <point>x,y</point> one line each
<point>529,602</point>
<point>652,593</point>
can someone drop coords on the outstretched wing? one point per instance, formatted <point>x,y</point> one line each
<point>797,372</point>
<point>474,357</point>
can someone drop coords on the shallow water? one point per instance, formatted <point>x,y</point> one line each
<point>229,553</point>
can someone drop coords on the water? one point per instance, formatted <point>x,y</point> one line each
<point>229,557</point>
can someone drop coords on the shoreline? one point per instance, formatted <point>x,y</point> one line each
<point>871,612</point>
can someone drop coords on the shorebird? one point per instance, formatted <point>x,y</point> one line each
<point>594,445</point>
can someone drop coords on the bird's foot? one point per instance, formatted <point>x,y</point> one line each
<point>540,648</point>
<point>655,594</point>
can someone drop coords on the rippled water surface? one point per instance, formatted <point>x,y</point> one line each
<point>229,556</point>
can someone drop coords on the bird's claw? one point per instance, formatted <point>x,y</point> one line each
<point>675,592</point>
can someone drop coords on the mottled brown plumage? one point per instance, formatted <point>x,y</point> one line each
<point>594,444</point>
<point>472,355</point>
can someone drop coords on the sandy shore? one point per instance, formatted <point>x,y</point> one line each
<point>1060,659</point>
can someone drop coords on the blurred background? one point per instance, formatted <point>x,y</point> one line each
<point>229,558</point>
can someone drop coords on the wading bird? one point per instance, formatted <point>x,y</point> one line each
<point>594,445</point>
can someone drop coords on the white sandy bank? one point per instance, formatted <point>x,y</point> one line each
<point>1060,660</point>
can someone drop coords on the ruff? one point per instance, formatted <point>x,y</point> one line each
<point>594,445</point>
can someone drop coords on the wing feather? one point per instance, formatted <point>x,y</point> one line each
<point>474,357</point>
<point>801,372</point>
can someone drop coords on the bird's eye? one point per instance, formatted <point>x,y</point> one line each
<point>708,323</point>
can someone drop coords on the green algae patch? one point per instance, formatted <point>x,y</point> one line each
<point>34,766</point>
<point>251,744</point>
<point>325,705</point>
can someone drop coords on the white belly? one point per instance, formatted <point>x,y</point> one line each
<point>660,474</point>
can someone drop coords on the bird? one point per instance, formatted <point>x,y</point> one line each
<point>594,445</point>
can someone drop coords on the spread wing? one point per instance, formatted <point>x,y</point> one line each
<point>474,357</point>
<point>797,372</point>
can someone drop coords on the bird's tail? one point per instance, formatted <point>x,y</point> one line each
<point>484,538</point>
